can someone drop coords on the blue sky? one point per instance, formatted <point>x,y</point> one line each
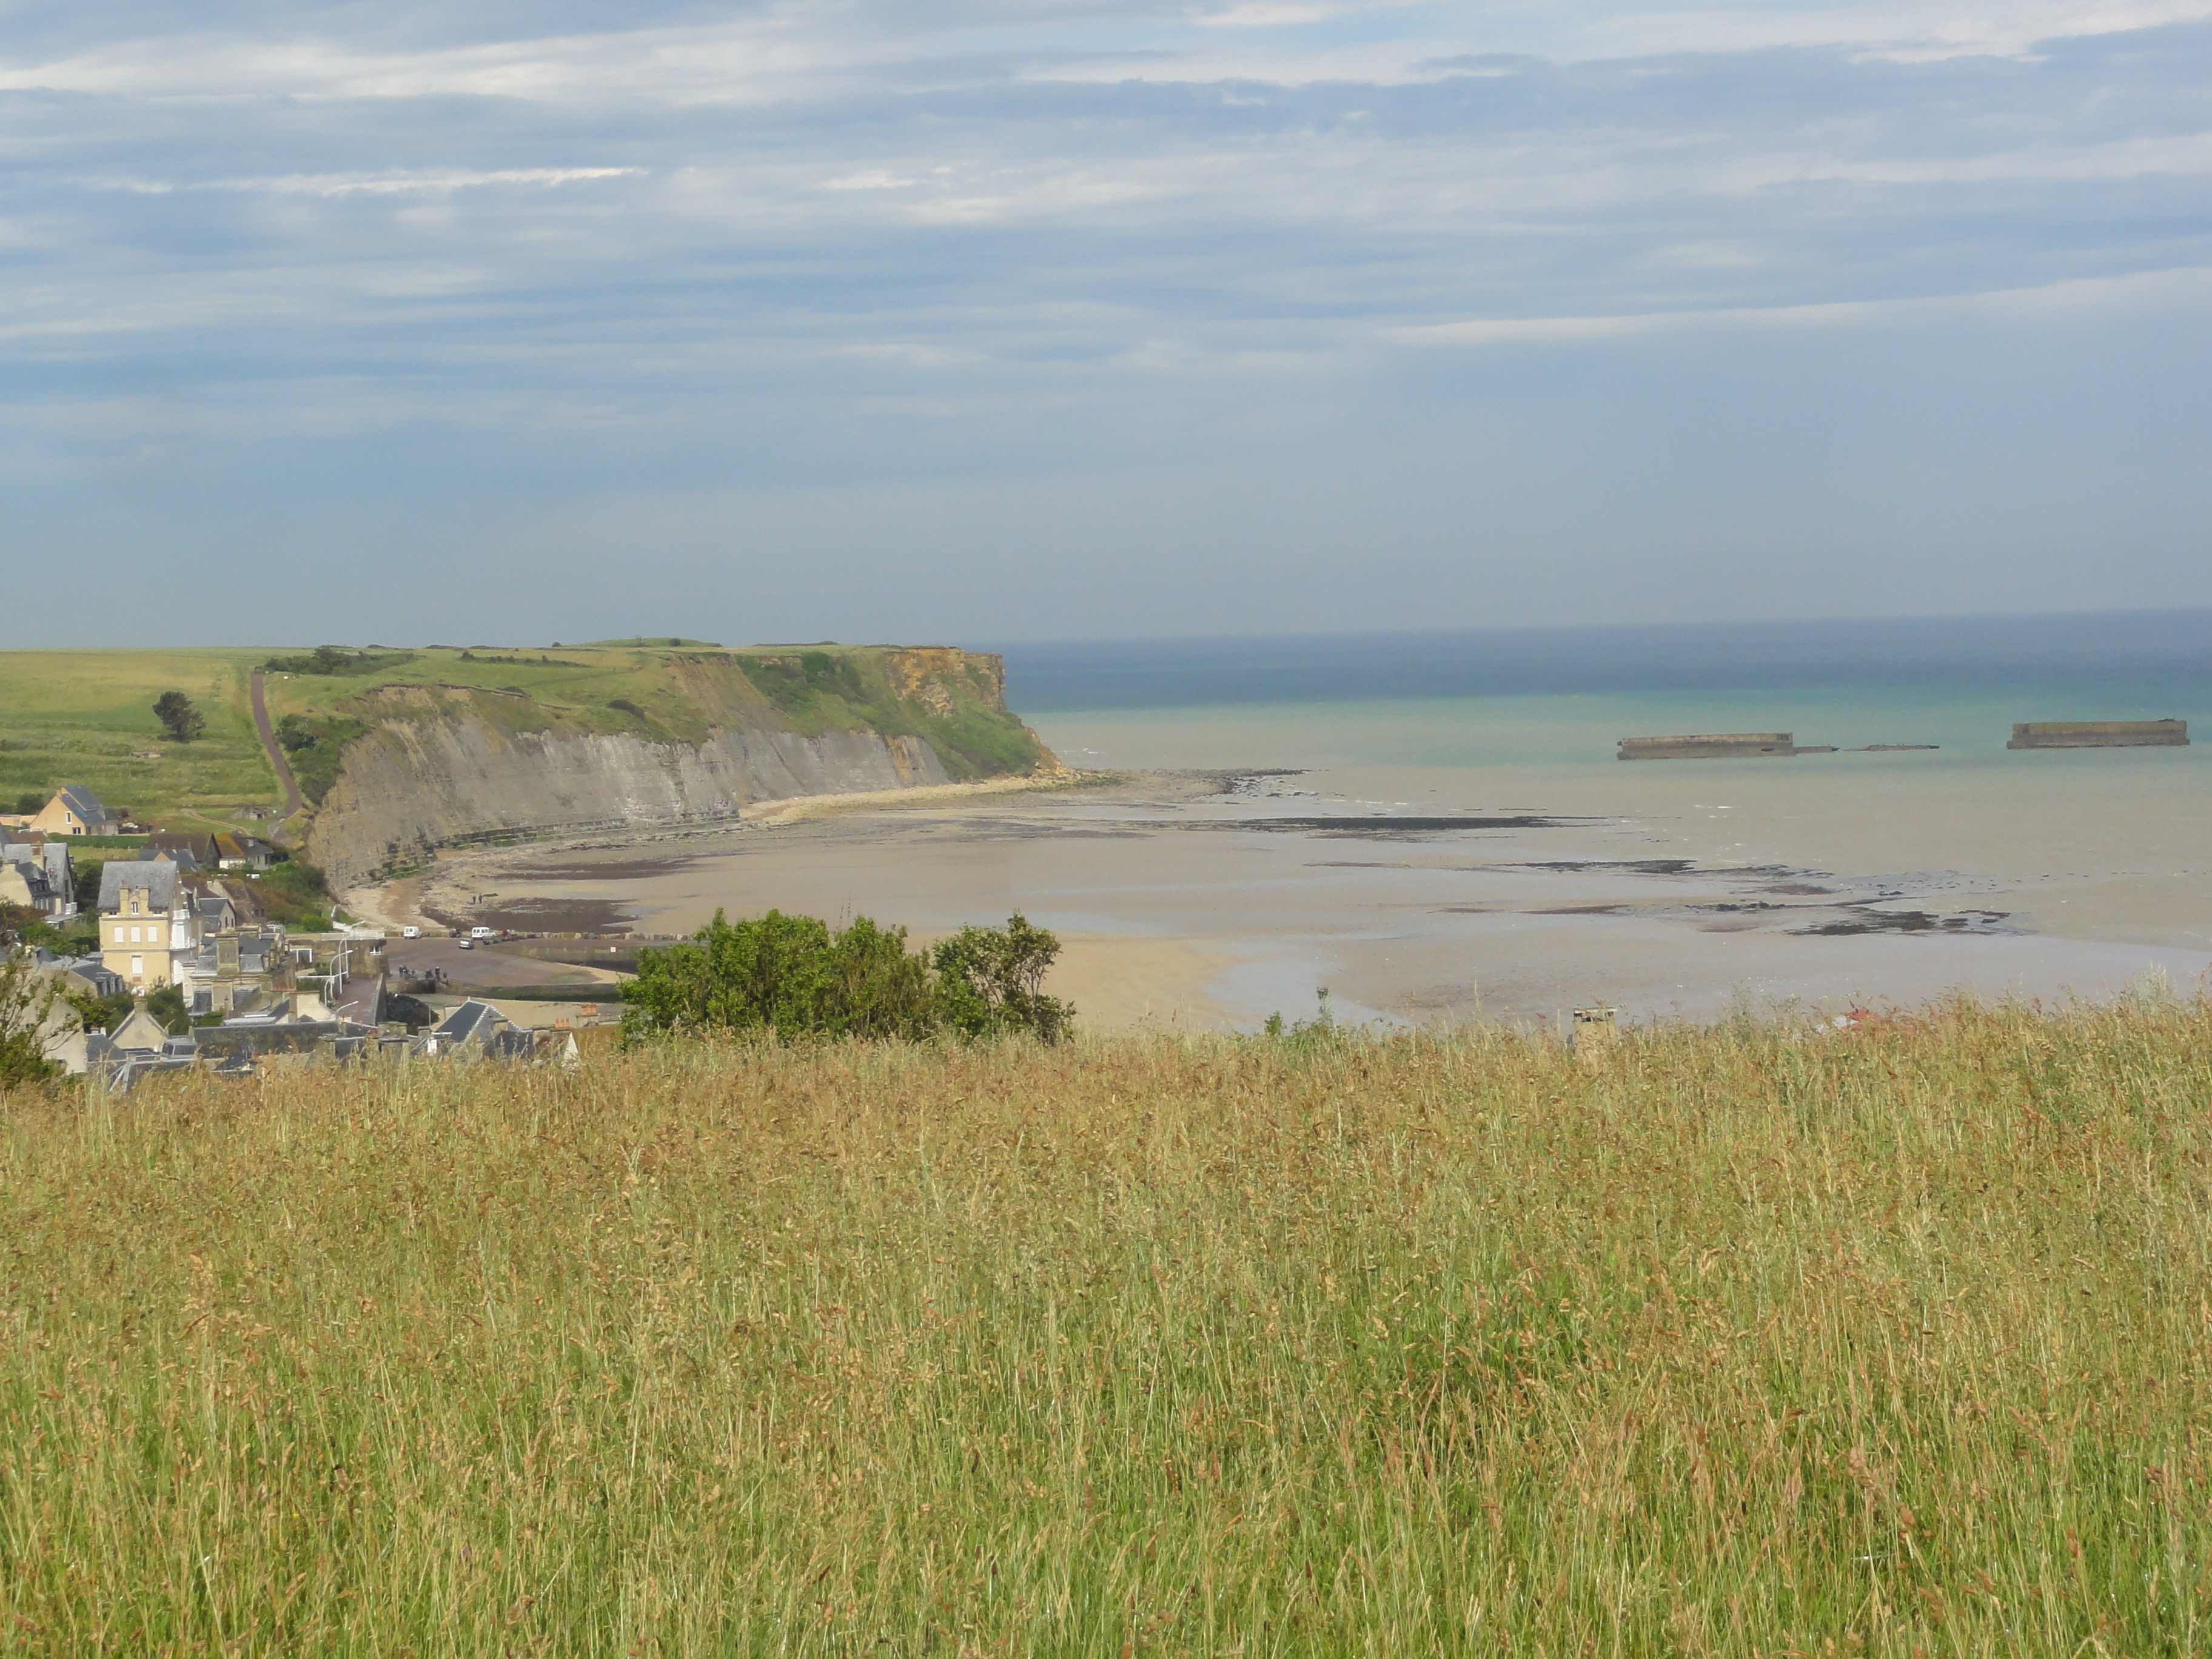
<point>1041,318</point>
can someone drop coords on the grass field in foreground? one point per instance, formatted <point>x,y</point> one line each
<point>1741,1342</point>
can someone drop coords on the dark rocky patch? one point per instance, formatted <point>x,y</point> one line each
<point>1908,922</point>
<point>630,869</point>
<point>545,915</point>
<point>1348,825</point>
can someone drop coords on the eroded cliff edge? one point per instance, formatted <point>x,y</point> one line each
<point>691,739</point>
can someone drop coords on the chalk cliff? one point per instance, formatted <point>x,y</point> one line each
<point>442,765</point>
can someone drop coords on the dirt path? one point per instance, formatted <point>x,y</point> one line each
<point>293,804</point>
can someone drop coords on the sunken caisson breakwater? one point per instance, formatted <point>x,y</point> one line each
<point>708,733</point>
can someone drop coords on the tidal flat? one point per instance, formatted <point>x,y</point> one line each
<point>1206,897</point>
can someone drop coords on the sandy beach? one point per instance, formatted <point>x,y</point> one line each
<point>1212,898</point>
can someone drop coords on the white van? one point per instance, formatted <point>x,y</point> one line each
<point>410,933</point>
<point>482,933</point>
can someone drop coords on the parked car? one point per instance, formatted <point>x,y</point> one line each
<point>468,945</point>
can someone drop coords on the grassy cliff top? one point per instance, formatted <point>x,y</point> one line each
<point>88,716</point>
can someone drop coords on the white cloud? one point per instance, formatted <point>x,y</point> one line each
<point>2137,293</point>
<point>389,184</point>
<point>841,240</point>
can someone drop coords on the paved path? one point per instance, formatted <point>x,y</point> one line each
<point>482,965</point>
<point>292,802</point>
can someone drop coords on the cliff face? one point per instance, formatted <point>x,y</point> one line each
<point>442,765</point>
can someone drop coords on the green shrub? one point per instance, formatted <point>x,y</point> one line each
<point>990,981</point>
<point>25,1001</point>
<point>796,977</point>
<point>294,892</point>
<point>102,1014</point>
<point>167,1004</point>
<point>315,747</point>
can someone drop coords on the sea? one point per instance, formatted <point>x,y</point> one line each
<point>1563,697</point>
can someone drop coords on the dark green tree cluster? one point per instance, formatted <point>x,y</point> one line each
<point>179,718</point>
<point>336,659</point>
<point>797,977</point>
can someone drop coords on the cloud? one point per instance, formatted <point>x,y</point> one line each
<point>854,243</point>
<point>2140,295</point>
<point>339,184</point>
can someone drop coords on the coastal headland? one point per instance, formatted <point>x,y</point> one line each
<point>370,759</point>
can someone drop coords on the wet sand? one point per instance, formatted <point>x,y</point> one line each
<point>1215,898</point>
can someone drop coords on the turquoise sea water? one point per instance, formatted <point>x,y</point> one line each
<point>1565,697</point>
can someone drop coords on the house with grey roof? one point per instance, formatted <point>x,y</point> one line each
<point>36,875</point>
<point>186,852</point>
<point>146,921</point>
<point>477,1030</point>
<point>75,811</point>
<point>235,970</point>
<point>138,1047</point>
<point>237,852</point>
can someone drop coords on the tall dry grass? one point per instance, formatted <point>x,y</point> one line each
<point>1743,1341</point>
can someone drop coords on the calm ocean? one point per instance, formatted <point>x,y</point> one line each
<point>1546,697</point>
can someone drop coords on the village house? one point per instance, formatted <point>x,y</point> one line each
<point>235,970</point>
<point>36,875</point>
<point>474,1032</point>
<point>235,852</point>
<point>146,921</point>
<point>75,811</point>
<point>477,1030</point>
<point>185,851</point>
<point>79,975</point>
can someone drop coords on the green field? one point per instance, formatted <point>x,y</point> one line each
<point>1751,1341</point>
<point>86,716</point>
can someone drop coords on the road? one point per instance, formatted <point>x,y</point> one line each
<point>293,804</point>
<point>481,966</point>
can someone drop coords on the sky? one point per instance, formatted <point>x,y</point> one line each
<point>951,320</point>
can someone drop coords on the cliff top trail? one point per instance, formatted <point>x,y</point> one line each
<point>398,750</point>
<point>293,804</point>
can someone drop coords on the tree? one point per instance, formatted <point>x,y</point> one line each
<point>102,1014</point>
<point>178,716</point>
<point>25,1000</point>
<point>167,1004</point>
<point>990,981</point>
<point>789,975</point>
<point>795,977</point>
